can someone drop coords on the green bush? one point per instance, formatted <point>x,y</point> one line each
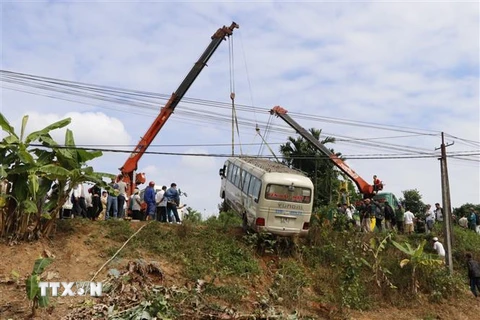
<point>465,240</point>
<point>352,291</point>
<point>289,281</point>
<point>439,284</point>
<point>225,220</point>
<point>229,293</point>
<point>118,230</point>
<point>203,250</point>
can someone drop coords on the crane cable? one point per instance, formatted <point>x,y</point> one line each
<point>245,63</point>
<point>268,146</point>
<point>232,97</point>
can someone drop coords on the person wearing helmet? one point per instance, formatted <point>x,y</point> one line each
<point>149,199</point>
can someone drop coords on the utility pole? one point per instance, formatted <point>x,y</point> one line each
<point>446,203</point>
<point>232,97</point>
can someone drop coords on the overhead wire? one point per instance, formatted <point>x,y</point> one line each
<point>142,95</point>
<point>361,156</point>
<point>283,129</point>
<point>149,101</point>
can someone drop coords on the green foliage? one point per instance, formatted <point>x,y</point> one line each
<point>417,259</point>
<point>439,284</point>
<point>300,154</point>
<point>33,172</point>
<point>352,290</point>
<point>204,252</point>
<point>412,200</point>
<point>193,216</point>
<point>465,240</point>
<point>32,284</point>
<point>289,281</point>
<point>118,230</point>
<point>225,220</point>
<point>380,273</point>
<point>466,209</point>
<point>155,307</point>
<point>229,293</point>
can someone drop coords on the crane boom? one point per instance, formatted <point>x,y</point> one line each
<point>364,187</point>
<point>131,164</point>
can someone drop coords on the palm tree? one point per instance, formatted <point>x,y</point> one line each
<point>300,154</point>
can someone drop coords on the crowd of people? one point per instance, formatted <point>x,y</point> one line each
<point>162,205</point>
<point>370,214</point>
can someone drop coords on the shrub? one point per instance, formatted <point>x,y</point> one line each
<point>289,281</point>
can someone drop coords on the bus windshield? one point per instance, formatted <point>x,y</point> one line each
<point>288,193</point>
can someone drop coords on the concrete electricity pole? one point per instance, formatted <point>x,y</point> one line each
<point>446,203</point>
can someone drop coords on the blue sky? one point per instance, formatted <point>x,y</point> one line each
<point>412,64</point>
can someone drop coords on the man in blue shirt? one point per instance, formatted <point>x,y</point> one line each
<point>149,199</point>
<point>173,200</point>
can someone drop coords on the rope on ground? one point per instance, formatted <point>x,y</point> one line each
<point>118,251</point>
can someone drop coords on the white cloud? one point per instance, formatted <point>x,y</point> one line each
<point>89,128</point>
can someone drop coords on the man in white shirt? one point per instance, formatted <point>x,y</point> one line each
<point>438,246</point>
<point>182,211</point>
<point>463,222</point>
<point>161,202</point>
<point>79,203</point>
<point>348,212</point>
<point>429,219</point>
<point>408,219</point>
<point>122,197</point>
<point>438,212</point>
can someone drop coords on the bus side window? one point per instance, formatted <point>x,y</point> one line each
<point>246,181</point>
<point>238,175</point>
<point>251,186</point>
<point>236,172</point>
<point>229,171</point>
<point>256,189</point>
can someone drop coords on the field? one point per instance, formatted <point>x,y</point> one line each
<point>212,270</point>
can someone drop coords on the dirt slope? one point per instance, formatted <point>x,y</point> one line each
<point>81,252</point>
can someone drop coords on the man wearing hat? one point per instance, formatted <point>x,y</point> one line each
<point>438,246</point>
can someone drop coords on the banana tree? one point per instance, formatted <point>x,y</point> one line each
<point>31,165</point>
<point>417,258</point>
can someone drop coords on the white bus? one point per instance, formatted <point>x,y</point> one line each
<point>270,196</point>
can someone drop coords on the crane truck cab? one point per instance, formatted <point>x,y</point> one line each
<point>387,197</point>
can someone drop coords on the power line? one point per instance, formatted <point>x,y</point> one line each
<point>125,95</point>
<point>309,157</point>
<point>216,118</point>
<point>149,101</point>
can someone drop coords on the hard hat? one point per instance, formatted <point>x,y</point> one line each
<point>435,239</point>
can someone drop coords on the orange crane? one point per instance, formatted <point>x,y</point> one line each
<point>131,165</point>
<point>363,186</point>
